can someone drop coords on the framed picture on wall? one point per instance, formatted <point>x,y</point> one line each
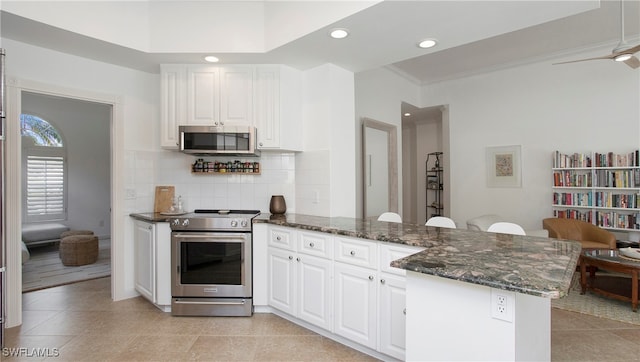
<point>504,166</point>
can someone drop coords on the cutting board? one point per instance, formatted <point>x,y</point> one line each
<point>163,198</point>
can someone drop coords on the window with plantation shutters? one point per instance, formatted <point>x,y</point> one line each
<point>45,187</point>
<point>44,171</point>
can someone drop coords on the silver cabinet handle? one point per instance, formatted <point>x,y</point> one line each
<point>370,277</point>
<point>404,311</point>
<point>298,259</point>
<point>278,238</point>
<point>260,144</point>
<point>353,253</point>
<point>382,281</point>
<point>311,245</point>
<point>290,257</point>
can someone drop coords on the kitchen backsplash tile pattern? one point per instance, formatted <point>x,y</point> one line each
<point>146,169</point>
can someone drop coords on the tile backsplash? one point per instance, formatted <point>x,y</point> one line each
<point>147,169</point>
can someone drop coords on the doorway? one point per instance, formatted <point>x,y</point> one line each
<point>380,168</point>
<point>77,189</point>
<point>424,131</point>
<point>13,201</point>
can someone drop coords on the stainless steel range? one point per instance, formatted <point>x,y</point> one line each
<point>211,263</point>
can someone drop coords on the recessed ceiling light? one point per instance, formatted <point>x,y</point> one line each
<point>339,33</point>
<point>407,114</point>
<point>427,43</point>
<point>211,59</point>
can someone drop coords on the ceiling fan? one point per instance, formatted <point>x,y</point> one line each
<point>622,52</point>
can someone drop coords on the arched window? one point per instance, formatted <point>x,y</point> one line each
<point>44,170</point>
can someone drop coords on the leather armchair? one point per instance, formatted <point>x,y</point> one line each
<point>589,235</point>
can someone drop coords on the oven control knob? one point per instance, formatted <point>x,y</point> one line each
<point>234,223</point>
<point>185,222</point>
<point>175,222</point>
<point>243,223</point>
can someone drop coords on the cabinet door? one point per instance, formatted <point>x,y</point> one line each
<point>162,270</point>
<point>278,109</point>
<point>281,279</point>
<point>236,96</point>
<point>172,103</point>
<point>315,290</point>
<point>355,304</point>
<point>268,106</point>
<point>145,261</point>
<point>392,318</point>
<point>203,95</point>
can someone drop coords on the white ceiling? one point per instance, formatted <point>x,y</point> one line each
<point>474,37</point>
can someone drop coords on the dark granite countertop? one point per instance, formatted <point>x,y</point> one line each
<point>531,265</point>
<point>150,216</point>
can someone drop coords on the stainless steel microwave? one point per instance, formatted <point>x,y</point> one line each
<point>218,140</point>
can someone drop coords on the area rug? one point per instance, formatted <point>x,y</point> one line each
<point>45,270</point>
<point>595,305</point>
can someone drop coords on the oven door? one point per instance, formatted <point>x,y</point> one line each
<point>211,264</point>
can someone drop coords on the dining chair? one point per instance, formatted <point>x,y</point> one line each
<point>506,228</point>
<point>390,216</point>
<point>441,221</point>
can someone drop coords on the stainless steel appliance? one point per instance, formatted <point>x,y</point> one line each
<point>218,140</point>
<point>2,227</point>
<point>211,263</point>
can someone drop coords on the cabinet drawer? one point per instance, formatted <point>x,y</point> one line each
<point>282,238</point>
<point>357,252</point>
<point>391,252</point>
<point>317,244</point>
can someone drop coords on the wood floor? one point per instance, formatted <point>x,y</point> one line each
<point>79,322</point>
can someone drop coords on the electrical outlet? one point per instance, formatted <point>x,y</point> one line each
<point>502,305</point>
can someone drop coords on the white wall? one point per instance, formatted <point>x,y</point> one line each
<point>325,178</point>
<point>85,127</point>
<point>580,107</point>
<point>378,95</point>
<point>136,95</point>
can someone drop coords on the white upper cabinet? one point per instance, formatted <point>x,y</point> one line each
<point>268,97</point>
<point>278,109</point>
<point>203,95</point>
<point>236,96</point>
<point>220,95</point>
<point>173,109</point>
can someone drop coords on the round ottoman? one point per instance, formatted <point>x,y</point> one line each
<point>76,250</point>
<point>75,232</point>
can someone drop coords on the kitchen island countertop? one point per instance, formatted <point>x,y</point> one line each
<point>531,265</point>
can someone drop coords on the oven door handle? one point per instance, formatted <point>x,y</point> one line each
<point>221,237</point>
<point>210,303</point>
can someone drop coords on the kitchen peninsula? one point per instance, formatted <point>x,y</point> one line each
<point>469,294</point>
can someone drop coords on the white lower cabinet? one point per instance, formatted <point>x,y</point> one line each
<point>392,315</point>
<point>315,290</point>
<point>355,304</point>
<point>152,253</point>
<point>299,284</point>
<point>281,279</point>
<point>344,285</point>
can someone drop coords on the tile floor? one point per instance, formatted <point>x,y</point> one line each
<point>79,322</point>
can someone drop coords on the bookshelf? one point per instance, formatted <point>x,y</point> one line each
<point>435,206</point>
<point>600,188</point>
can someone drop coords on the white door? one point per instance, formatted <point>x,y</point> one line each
<point>355,304</point>
<point>392,318</point>
<point>203,95</point>
<point>315,290</point>
<point>236,96</point>
<point>144,258</point>
<point>281,279</point>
